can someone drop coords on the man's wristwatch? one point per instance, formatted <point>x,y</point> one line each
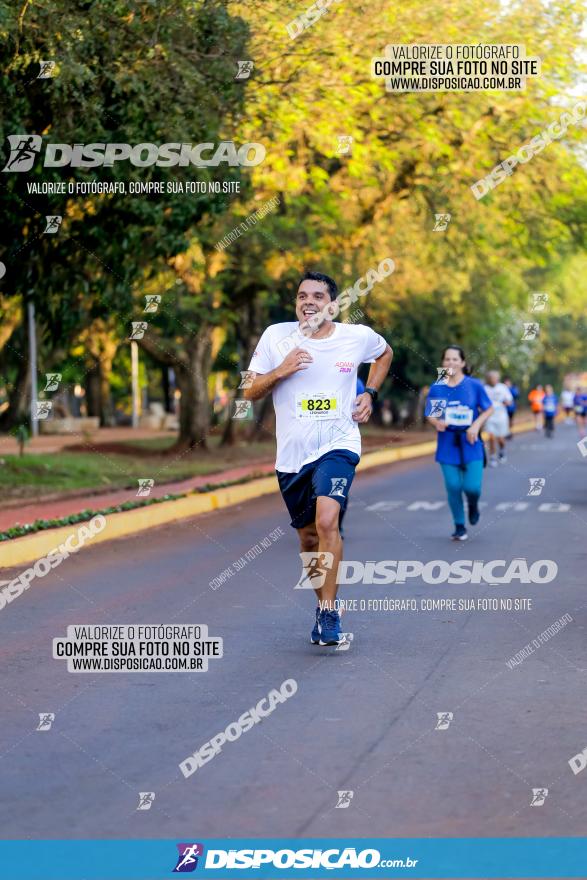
<point>373,392</point>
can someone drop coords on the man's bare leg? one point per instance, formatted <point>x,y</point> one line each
<point>309,544</point>
<point>329,541</point>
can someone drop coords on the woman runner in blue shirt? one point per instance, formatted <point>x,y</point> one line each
<point>458,406</point>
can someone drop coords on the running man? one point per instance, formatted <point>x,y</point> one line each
<point>550,407</point>
<point>497,425</point>
<point>580,406</point>
<point>515,392</point>
<point>568,404</point>
<point>458,407</point>
<point>536,396</point>
<point>310,367</point>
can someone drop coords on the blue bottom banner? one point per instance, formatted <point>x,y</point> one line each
<point>380,858</point>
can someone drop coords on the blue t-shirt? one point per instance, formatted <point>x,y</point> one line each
<point>550,404</point>
<point>580,403</point>
<point>459,407</point>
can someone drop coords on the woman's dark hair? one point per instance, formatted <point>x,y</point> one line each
<point>462,356</point>
<point>325,279</point>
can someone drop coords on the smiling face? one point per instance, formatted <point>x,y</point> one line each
<point>311,299</point>
<point>453,362</point>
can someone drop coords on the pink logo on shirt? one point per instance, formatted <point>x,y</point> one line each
<point>345,366</point>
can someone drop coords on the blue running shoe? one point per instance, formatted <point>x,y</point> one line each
<point>315,637</point>
<point>331,633</point>
<point>459,534</point>
<point>474,512</point>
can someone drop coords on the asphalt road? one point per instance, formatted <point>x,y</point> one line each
<point>362,720</point>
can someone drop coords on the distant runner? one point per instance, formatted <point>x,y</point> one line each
<point>515,392</point>
<point>497,425</point>
<point>568,404</point>
<point>536,396</point>
<point>550,407</point>
<point>317,415</point>
<point>458,406</point>
<point>580,405</point>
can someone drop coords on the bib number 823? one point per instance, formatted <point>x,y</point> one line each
<point>314,405</point>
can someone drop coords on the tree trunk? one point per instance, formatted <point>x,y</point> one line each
<point>228,435</point>
<point>192,379</point>
<point>101,343</point>
<point>93,391</point>
<point>18,398</point>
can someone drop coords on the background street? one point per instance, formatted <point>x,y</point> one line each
<point>362,720</point>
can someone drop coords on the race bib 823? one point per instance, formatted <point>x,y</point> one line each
<point>319,405</point>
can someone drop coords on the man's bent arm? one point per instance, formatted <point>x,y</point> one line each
<point>262,384</point>
<point>298,359</point>
<point>379,369</point>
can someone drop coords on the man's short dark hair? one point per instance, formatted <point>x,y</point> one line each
<point>325,279</point>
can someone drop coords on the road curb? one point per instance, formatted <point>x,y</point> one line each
<point>130,522</point>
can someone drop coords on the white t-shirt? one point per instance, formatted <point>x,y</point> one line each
<point>499,395</point>
<point>314,407</point>
<point>567,398</point>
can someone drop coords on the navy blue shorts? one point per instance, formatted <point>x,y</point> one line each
<point>331,475</point>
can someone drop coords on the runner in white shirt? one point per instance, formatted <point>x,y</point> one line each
<point>567,401</point>
<point>497,425</point>
<point>310,367</point>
